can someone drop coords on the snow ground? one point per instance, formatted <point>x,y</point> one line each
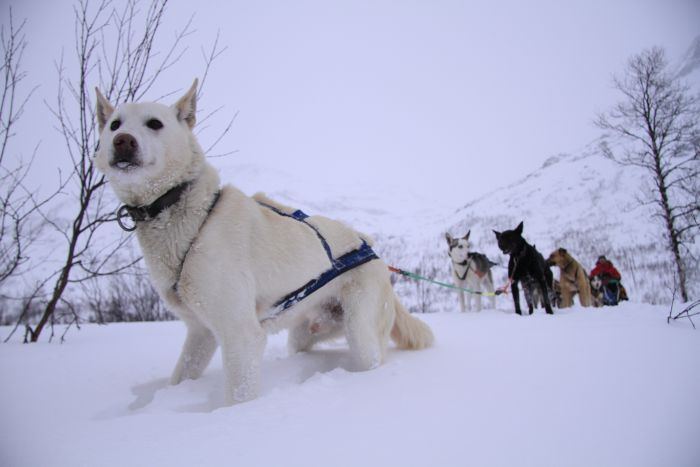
<point>586,387</point>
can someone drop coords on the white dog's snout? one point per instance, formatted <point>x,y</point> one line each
<point>124,142</point>
<point>125,150</point>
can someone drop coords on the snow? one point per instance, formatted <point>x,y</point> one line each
<point>604,387</point>
<point>585,387</point>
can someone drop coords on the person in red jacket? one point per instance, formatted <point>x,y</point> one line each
<point>605,269</point>
<point>610,277</point>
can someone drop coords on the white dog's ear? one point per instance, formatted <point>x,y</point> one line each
<point>103,110</point>
<point>186,107</point>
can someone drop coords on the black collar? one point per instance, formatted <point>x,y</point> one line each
<point>151,211</point>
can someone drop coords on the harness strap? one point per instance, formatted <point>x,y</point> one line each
<point>339,266</point>
<point>217,195</point>
<point>301,216</point>
<point>468,264</point>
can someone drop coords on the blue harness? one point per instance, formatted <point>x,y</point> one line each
<point>339,266</point>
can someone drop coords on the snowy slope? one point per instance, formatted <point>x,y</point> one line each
<point>588,205</point>
<point>584,203</point>
<point>586,387</point>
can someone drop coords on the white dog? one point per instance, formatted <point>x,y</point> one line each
<point>233,267</point>
<point>471,271</point>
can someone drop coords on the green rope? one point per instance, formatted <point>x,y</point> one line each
<point>415,276</point>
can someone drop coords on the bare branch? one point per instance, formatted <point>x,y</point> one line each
<point>658,123</point>
<point>115,47</point>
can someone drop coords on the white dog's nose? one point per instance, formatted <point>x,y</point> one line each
<point>124,142</point>
<point>125,150</point>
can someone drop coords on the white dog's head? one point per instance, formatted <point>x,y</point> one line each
<point>458,248</point>
<point>147,148</point>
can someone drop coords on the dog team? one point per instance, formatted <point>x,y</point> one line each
<point>472,275</point>
<point>234,268</point>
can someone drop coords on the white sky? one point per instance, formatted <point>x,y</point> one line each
<point>447,99</point>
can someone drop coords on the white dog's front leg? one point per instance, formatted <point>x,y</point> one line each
<point>470,297</point>
<point>477,297</point>
<point>461,299</point>
<point>196,354</point>
<point>242,347</point>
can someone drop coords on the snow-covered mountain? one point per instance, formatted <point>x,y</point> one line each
<point>588,205</point>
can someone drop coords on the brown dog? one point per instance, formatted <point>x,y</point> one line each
<point>572,277</point>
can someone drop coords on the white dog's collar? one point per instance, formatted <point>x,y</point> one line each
<point>150,211</point>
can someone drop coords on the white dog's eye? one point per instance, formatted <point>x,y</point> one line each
<point>114,126</point>
<point>154,124</point>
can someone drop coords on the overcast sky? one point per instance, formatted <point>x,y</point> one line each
<point>448,99</point>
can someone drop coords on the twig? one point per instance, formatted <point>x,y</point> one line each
<point>685,313</point>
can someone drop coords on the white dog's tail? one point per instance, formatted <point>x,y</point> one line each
<point>409,332</point>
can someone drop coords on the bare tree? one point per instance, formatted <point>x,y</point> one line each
<point>117,51</point>
<point>17,206</point>
<point>657,124</point>
<point>21,220</point>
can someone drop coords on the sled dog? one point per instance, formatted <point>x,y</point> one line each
<point>222,260</point>
<point>471,271</point>
<point>572,277</point>
<point>525,265</point>
<point>597,294</point>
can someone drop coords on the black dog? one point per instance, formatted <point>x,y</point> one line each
<point>526,265</point>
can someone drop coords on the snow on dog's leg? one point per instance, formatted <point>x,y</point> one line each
<point>242,346</point>
<point>368,313</point>
<point>361,332</point>
<point>196,354</point>
<point>300,338</point>
<point>470,297</point>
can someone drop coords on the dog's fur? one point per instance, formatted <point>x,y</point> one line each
<point>534,295</point>
<point>597,293</point>
<point>555,296</point>
<point>572,277</point>
<point>525,265</point>
<point>532,292</point>
<point>471,271</point>
<point>221,269</point>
